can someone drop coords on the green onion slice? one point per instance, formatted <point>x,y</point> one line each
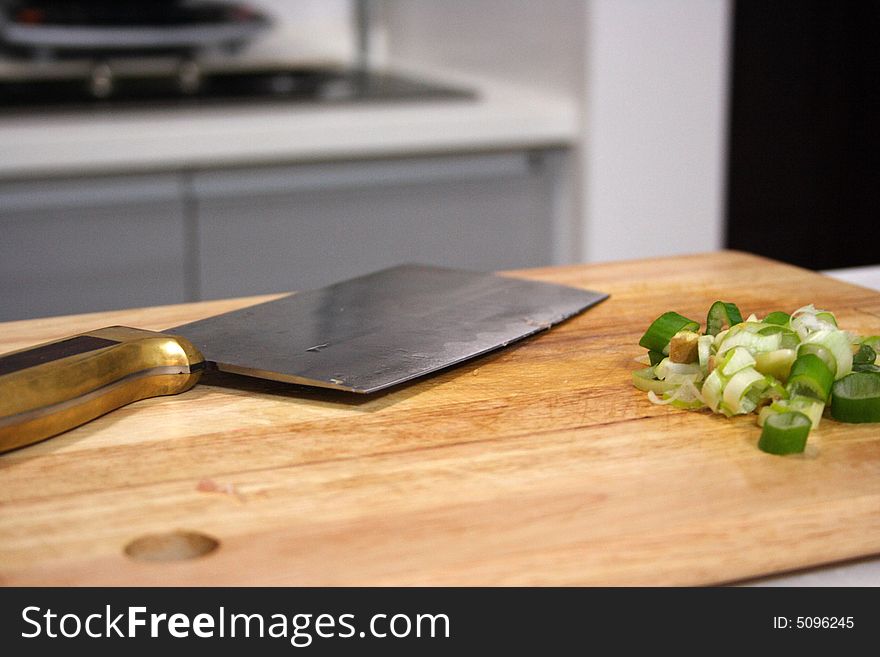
<point>810,376</point>
<point>821,352</point>
<point>742,392</point>
<point>704,352</point>
<point>827,317</point>
<point>774,390</point>
<point>722,314</point>
<point>741,336</point>
<point>807,319</point>
<point>788,339</point>
<point>658,335</point>
<point>655,357</point>
<point>866,354</point>
<point>671,372</point>
<point>856,398</point>
<point>860,360</point>
<point>735,360</point>
<point>809,406</point>
<point>838,344</point>
<point>645,381</point>
<point>785,433</point>
<point>775,363</point>
<point>778,317</point>
<point>685,396</point>
<point>713,388</point>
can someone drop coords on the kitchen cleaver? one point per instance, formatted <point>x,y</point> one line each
<point>361,335</point>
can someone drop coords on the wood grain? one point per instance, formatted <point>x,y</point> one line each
<point>538,464</point>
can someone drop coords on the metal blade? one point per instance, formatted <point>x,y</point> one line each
<point>378,330</point>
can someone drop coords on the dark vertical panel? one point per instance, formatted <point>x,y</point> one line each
<point>804,170</point>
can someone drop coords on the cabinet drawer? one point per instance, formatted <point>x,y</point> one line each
<point>84,245</point>
<point>301,227</point>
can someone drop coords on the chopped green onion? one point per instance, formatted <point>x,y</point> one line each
<point>704,351</point>
<point>775,363</point>
<point>785,433</point>
<point>774,390</point>
<point>827,317</point>
<point>713,388</point>
<point>735,360</point>
<point>865,355</point>
<point>672,372</point>
<point>839,346</point>
<point>771,329</point>
<point>658,335</point>
<point>860,360</point>
<point>856,398</point>
<point>778,317</point>
<point>810,376</point>
<point>788,339</point>
<point>737,399</point>
<point>807,319</point>
<point>646,381</point>
<point>721,314</point>
<point>809,406</point>
<point>685,396</point>
<point>786,368</point>
<point>752,341</point>
<point>821,352</point>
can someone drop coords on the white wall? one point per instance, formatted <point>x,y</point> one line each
<point>539,45</point>
<point>654,127</point>
<point>307,31</point>
<point>650,79</point>
<point>535,43</point>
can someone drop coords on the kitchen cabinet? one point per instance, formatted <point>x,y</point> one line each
<point>298,227</point>
<point>101,242</point>
<point>78,245</point>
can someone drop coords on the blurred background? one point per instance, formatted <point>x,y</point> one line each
<point>176,150</point>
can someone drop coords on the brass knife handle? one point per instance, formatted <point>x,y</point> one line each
<point>50,388</point>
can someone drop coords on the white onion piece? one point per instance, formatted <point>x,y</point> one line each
<point>838,343</point>
<point>736,389</point>
<point>687,393</point>
<point>713,387</point>
<point>704,351</point>
<point>735,360</point>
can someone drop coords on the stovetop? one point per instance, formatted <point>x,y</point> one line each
<point>103,55</point>
<point>268,85</point>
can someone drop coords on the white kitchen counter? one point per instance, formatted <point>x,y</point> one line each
<point>501,117</point>
<point>864,572</point>
<point>864,276</point>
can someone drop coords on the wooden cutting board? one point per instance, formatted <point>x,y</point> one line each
<point>539,464</point>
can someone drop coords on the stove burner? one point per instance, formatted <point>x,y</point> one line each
<point>191,88</point>
<point>103,54</point>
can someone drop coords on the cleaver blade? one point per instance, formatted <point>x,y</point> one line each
<point>382,329</point>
